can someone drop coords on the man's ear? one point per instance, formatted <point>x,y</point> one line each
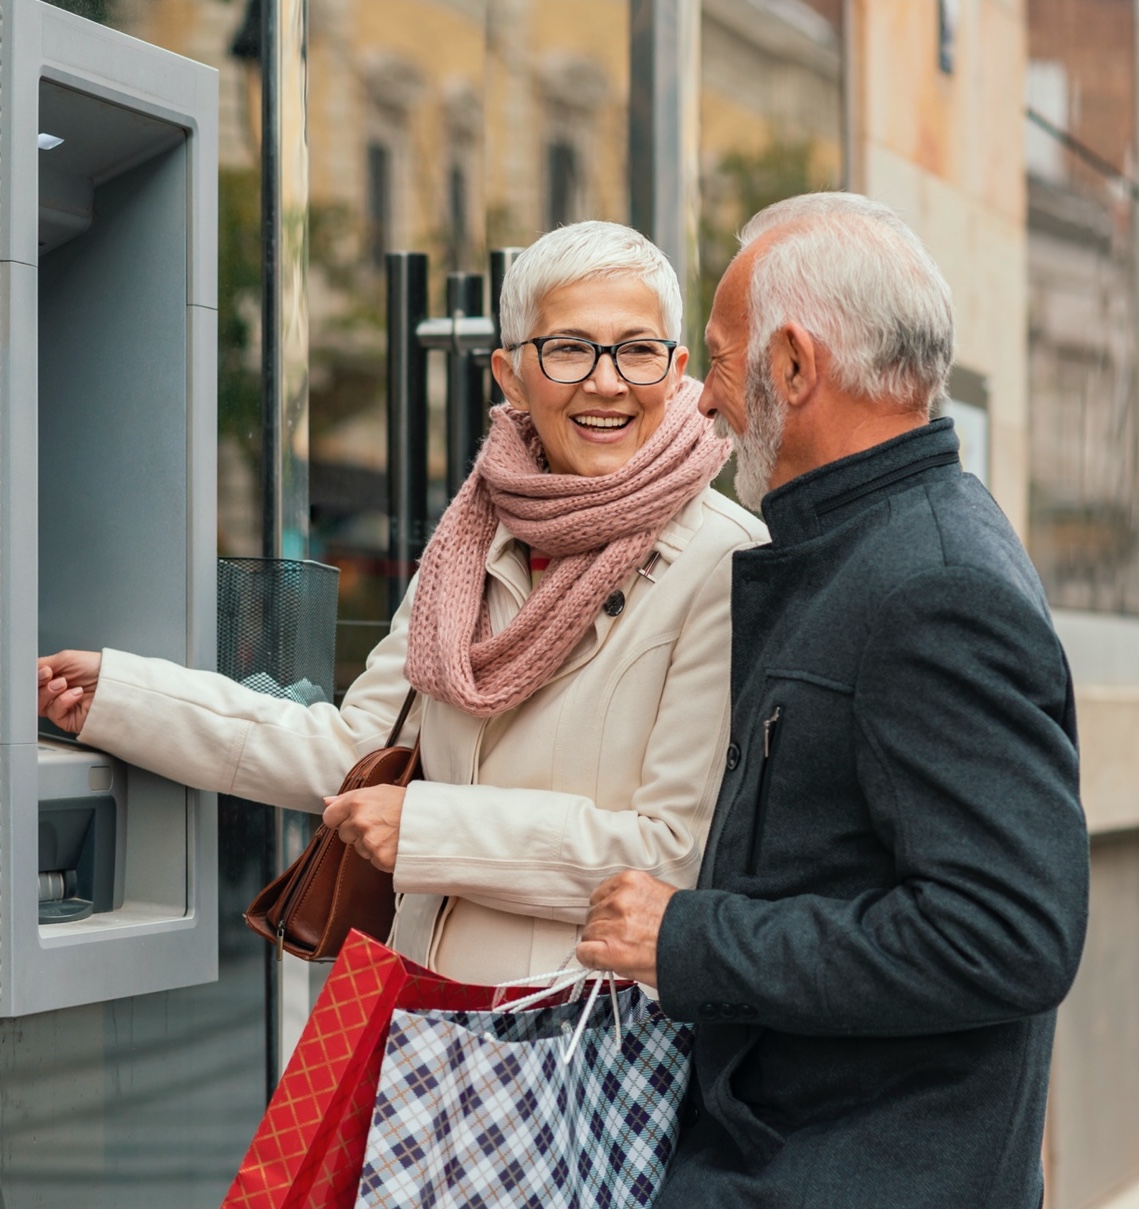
<point>795,363</point>
<point>502,366</point>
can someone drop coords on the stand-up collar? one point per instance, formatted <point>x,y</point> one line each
<point>819,500</point>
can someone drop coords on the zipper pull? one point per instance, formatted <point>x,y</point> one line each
<point>280,940</point>
<point>768,727</point>
<point>647,569</point>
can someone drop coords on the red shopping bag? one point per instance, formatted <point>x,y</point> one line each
<point>309,1148</point>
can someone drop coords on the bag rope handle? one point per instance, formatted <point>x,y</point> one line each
<point>560,980</point>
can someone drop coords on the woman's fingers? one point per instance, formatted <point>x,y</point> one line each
<point>336,810</point>
<point>66,687</point>
<point>66,707</point>
<point>50,689</point>
<point>368,820</point>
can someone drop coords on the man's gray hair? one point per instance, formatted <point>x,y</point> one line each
<point>858,279</point>
<point>584,251</point>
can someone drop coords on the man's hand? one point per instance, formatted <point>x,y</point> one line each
<point>624,921</point>
<point>67,684</point>
<point>368,819</point>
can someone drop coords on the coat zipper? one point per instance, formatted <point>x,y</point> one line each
<point>770,732</point>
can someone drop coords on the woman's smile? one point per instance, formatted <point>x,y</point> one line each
<point>602,421</point>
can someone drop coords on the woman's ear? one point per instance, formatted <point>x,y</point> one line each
<point>502,366</point>
<point>680,362</point>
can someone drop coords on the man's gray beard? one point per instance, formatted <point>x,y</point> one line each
<point>758,448</point>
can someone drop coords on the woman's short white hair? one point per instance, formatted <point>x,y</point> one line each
<point>584,251</point>
<point>858,279</point>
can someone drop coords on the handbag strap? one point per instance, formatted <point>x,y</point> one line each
<point>401,718</point>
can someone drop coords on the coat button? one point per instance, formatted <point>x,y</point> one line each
<point>689,1114</point>
<point>727,1011</point>
<point>615,605</point>
<point>746,1011</point>
<point>710,1011</point>
<point>733,756</point>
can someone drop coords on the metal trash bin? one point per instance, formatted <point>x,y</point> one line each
<point>277,626</point>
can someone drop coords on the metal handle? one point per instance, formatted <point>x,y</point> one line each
<point>407,418</point>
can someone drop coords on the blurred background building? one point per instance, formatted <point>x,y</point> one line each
<point>1004,131</point>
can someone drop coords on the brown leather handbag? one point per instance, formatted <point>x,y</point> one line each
<point>329,888</point>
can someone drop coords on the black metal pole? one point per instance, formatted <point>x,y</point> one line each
<point>271,515</point>
<point>466,384</point>
<point>270,280</point>
<point>500,260</point>
<point>407,419</point>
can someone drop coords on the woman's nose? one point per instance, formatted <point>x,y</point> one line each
<point>605,378</point>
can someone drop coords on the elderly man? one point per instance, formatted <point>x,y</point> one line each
<point>893,896</point>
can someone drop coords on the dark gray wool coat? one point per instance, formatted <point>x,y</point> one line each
<point>894,892</point>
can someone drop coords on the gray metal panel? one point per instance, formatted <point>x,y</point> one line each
<point>18,548</point>
<point>160,938</point>
<point>124,479</point>
<point>19,80</point>
<point>108,64</point>
<point>18,888</point>
<point>202,467</point>
<point>113,383</point>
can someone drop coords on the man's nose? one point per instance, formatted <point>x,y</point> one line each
<point>707,401</point>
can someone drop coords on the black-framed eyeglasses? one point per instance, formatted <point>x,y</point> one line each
<point>570,359</point>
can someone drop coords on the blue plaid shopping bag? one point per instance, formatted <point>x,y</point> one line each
<point>552,1108</point>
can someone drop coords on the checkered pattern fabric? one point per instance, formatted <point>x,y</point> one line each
<point>308,1149</point>
<point>477,1110</point>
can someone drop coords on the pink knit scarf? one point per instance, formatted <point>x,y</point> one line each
<point>595,530</point>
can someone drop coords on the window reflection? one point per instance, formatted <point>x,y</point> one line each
<point>770,116</point>
<point>770,127</point>
<point>1084,436</point>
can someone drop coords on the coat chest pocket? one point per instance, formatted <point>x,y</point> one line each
<point>768,743</point>
<point>806,800</point>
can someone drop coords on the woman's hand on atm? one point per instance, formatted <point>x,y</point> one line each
<point>67,687</point>
<point>368,819</point>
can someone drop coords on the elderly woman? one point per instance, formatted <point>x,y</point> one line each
<point>568,632</point>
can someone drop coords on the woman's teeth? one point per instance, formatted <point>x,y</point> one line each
<point>602,421</point>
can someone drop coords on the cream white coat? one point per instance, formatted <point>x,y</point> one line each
<point>614,764</point>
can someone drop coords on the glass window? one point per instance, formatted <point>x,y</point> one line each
<point>448,127</point>
<point>1084,436</point>
<point>771,109</point>
<point>770,114</point>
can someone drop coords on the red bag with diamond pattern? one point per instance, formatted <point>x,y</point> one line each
<point>309,1148</point>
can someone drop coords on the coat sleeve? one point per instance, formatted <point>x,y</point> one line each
<point>542,852</point>
<point>965,756</point>
<point>207,731</point>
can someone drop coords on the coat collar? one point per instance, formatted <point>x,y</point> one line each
<point>822,499</point>
<point>506,563</point>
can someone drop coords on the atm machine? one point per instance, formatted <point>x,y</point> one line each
<point>108,336</point>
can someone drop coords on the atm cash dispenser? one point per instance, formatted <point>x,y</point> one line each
<point>108,332</point>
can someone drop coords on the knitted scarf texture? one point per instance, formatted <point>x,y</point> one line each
<point>595,530</point>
